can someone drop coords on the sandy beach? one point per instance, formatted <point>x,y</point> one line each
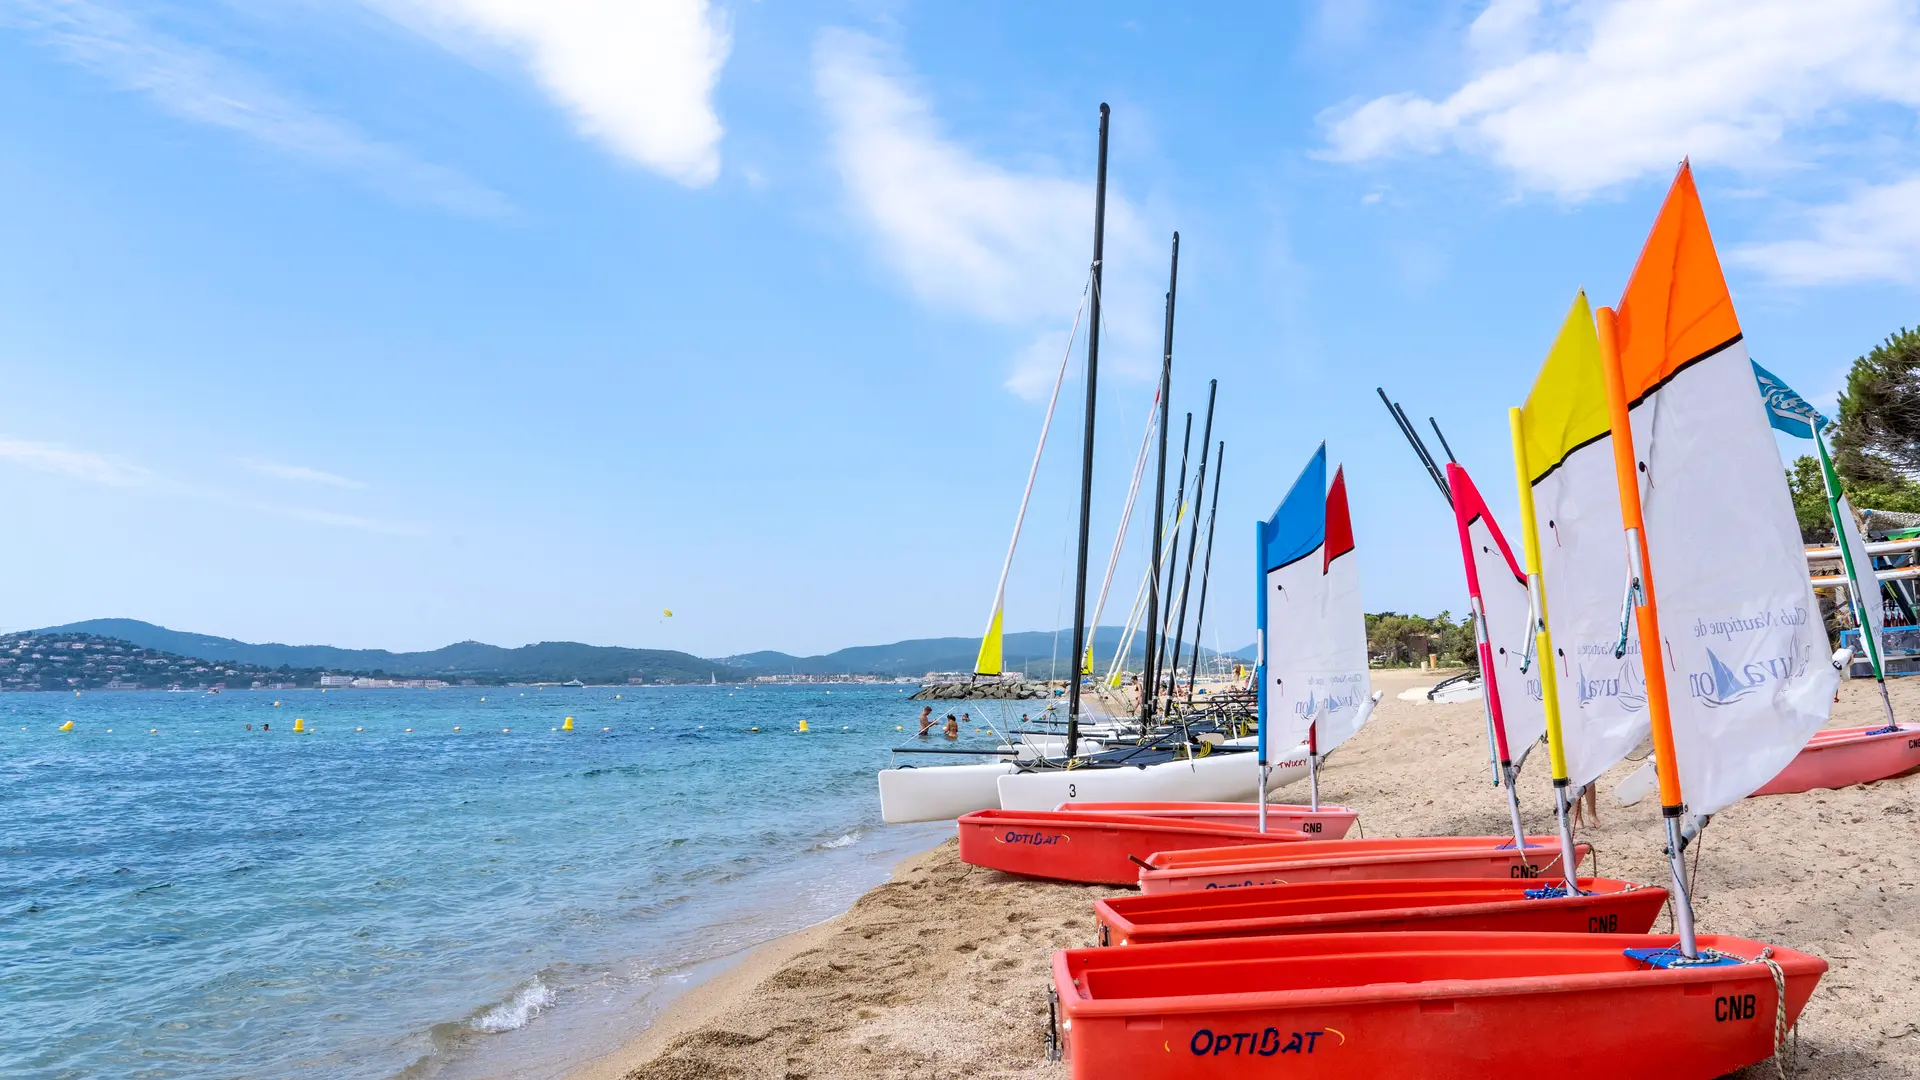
<point>942,971</point>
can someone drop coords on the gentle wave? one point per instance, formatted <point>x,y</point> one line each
<point>845,840</point>
<point>517,1011</point>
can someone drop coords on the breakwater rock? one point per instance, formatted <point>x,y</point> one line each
<point>983,690</point>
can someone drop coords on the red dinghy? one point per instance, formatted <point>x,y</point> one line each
<point>1602,906</point>
<point>1346,860</point>
<point>1326,823</point>
<point>1842,757</point>
<point>1087,847</point>
<point>1445,1006</point>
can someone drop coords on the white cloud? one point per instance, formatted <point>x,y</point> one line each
<point>1037,366</point>
<point>300,473</point>
<point>109,471</point>
<point>1613,90</point>
<point>198,85</point>
<point>339,520</point>
<point>77,464</point>
<point>637,75</point>
<point>1873,235</point>
<point>967,235</point>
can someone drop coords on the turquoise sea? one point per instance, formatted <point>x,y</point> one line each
<point>183,897</point>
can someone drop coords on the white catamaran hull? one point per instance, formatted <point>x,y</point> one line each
<point>939,792</point>
<point>1214,778</point>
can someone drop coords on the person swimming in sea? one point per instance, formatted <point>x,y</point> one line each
<point>953,727</point>
<point>926,720</point>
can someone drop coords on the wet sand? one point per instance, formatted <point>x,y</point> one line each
<point>942,971</point>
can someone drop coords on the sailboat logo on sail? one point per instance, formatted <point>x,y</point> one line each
<point>1720,684</point>
<point>1621,685</point>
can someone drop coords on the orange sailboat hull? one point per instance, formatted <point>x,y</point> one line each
<point>1326,823</point>
<point>1345,860</point>
<point>1087,847</point>
<point>1603,906</point>
<point>1842,757</point>
<point>1442,1006</point>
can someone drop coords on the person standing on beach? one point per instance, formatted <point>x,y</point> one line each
<point>926,720</point>
<point>953,727</point>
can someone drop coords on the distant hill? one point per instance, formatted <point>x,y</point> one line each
<point>549,661</point>
<point>1036,653</point>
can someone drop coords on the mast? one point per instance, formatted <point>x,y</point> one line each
<point>1193,541</point>
<point>1159,496</point>
<point>1206,570</point>
<point>1173,549</point>
<point>1540,656</point>
<point>1086,453</point>
<point>1640,599</point>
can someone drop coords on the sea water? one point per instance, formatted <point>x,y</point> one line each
<point>480,895</point>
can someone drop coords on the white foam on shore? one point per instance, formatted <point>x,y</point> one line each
<point>845,840</point>
<point>517,1011</point>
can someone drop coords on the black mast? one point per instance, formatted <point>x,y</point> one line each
<point>1206,569</point>
<point>1179,500</point>
<point>1159,498</point>
<point>1086,453</point>
<point>1193,541</point>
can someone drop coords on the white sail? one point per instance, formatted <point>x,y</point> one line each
<point>1745,651</point>
<point>1500,590</point>
<point>1583,561</point>
<point>1313,631</point>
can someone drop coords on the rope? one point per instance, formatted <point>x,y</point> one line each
<point>1779,1009</point>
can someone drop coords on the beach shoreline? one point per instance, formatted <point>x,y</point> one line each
<point>724,987</point>
<point>942,971</point>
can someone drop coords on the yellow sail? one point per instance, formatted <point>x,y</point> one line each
<point>1567,407</point>
<point>988,662</point>
<point>1570,508</point>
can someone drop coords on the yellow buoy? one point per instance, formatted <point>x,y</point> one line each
<point>522,695</point>
<point>456,727</point>
<point>359,729</point>
<point>409,729</point>
<point>153,731</point>
<point>506,731</point>
<point>897,727</point>
<point>76,693</point>
<point>568,725</point>
<point>299,725</point>
<point>606,729</point>
<point>803,725</point>
<point>616,697</point>
<point>109,731</point>
<point>68,726</point>
<point>753,729</point>
<point>276,704</point>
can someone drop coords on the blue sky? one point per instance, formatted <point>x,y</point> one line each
<point>397,322</point>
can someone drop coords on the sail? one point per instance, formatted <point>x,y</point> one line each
<point>1284,548</point>
<point>1791,413</point>
<point>1499,588</point>
<point>1340,661</point>
<point>1563,430</point>
<point>1864,587</point>
<point>988,662</point>
<point>1313,633</point>
<point>1745,651</point>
